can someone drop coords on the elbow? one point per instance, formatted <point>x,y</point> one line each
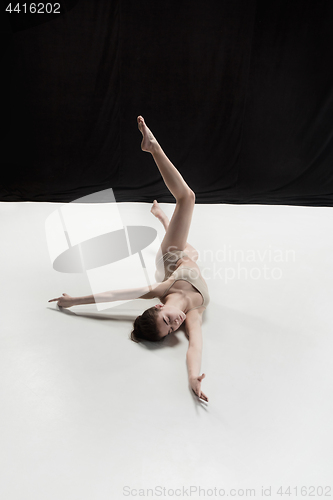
<point>195,347</point>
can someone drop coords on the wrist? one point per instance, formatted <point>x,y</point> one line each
<point>78,301</point>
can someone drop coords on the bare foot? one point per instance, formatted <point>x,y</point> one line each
<point>158,212</point>
<point>149,142</point>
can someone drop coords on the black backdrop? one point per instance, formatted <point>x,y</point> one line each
<point>239,94</point>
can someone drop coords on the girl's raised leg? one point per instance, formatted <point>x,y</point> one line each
<point>179,226</point>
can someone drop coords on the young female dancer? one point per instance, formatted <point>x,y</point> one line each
<point>182,291</point>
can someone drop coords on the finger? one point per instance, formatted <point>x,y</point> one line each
<point>203,396</point>
<point>53,300</point>
<point>197,393</point>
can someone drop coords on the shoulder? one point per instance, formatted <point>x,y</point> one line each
<point>193,320</point>
<point>157,290</point>
<point>194,316</point>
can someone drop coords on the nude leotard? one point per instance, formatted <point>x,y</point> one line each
<point>189,274</point>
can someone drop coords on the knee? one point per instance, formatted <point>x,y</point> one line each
<point>189,195</point>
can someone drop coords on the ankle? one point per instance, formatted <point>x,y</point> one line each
<point>155,148</point>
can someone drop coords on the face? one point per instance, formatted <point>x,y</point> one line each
<point>169,319</point>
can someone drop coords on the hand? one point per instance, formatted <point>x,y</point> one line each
<point>64,301</point>
<point>195,383</point>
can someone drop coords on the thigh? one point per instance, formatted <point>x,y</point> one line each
<point>191,252</point>
<point>176,235</point>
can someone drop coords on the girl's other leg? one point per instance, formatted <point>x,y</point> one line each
<point>163,218</point>
<point>160,214</point>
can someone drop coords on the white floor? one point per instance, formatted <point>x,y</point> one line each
<point>88,414</point>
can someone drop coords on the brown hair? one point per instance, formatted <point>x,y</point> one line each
<point>144,326</point>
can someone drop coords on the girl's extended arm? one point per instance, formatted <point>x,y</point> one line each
<point>143,292</point>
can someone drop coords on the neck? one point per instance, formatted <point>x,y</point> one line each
<point>177,299</point>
